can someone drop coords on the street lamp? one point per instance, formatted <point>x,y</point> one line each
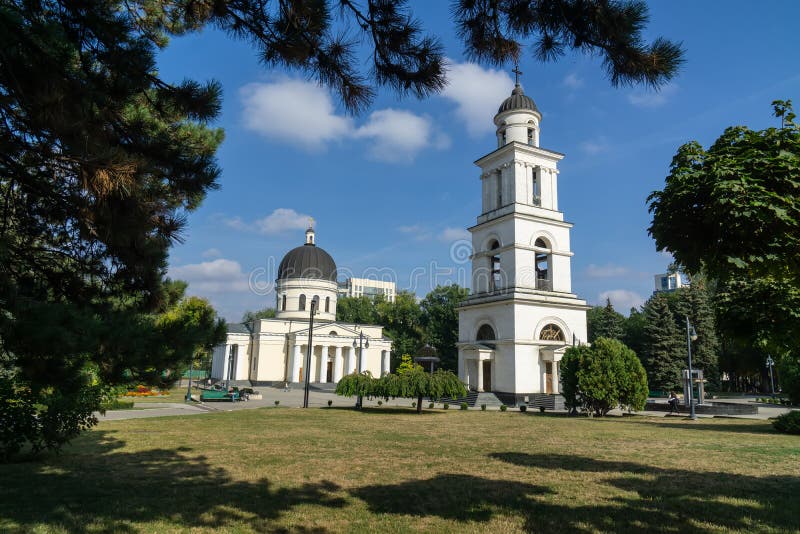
<point>312,312</point>
<point>691,335</point>
<point>770,365</point>
<point>189,389</point>
<point>360,343</point>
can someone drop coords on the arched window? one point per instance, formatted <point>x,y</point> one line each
<point>315,300</point>
<point>499,190</point>
<point>283,303</point>
<point>544,279</point>
<point>302,303</point>
<point>551,332</point>
<point>485,333</point>
<point>327,304</point>
<point>495,281</point>
<point>537,188</point>
<point>530,136</point>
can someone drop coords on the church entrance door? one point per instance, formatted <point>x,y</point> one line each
<point>487,375</point>
<point>548,377</point>
<point>329,374</point>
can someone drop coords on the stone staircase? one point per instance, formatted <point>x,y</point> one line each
<point>474,399</point>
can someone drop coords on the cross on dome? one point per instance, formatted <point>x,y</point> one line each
<point>517,73</point>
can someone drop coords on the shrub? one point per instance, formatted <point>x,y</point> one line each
<point>277,402</point>
<point>483,407</point>
<point>603,376</point>
<point>380,403</point>
<point>430,406</point>
<point>523,408</point>
<point>116,405</point>
<point>414,404</point>
<point>464,406</point>
<point>788,423</point>
<point>330,403</point>
<point>446,406</point>
<point>788,367</point>
<point>503,407</point>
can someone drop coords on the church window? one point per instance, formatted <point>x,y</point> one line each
<point>544,280</point>
<point>503,138</point>
<point>530,136</point>
<point>302,303</point>
<point>495,280</point>
<point>283,303</point>
<point>551,332</point>
<point>485,333</point>
<point>315,304</point>
<point>537,189</point>
<point>327,304</point>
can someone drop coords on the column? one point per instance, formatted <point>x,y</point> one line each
<point>385,367</point>
<point>556,376</point>
<point>351,361</point>
<point>297,361</point>
<point>480,374</point>
<point>323,364</point>
<point>337,364</point>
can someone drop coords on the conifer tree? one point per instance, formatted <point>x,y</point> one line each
<point>664,353</point>
<point>694,302</point>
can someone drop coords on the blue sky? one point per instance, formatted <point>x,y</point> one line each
<point>393,189</point>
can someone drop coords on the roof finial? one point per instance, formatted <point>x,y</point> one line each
<point>311,223</point>
<point>517,73</point>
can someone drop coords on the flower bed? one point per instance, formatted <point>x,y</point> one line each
<point>144,391</point>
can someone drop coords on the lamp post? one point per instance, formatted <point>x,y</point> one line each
<point>691,335</point>
<point>311,313</point>
<point>360,343</point>
<point>770,365</point>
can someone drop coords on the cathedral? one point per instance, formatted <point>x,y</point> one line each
<point>521,314</point>
<point>274,351</point>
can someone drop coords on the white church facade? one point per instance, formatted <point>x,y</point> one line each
<point>521,314</point>
<point>274,351</point>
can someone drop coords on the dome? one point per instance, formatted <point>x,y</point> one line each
<point>517,100</point>
<point>307,261</point>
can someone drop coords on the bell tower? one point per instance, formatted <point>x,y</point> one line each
<point>521,314</point>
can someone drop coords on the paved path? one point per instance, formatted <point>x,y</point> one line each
<point>294,399</point>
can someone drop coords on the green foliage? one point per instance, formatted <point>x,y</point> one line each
<point>277,402</point>
<point>788,367</point>
<point>694,302</point>
<point>634,327</point>
<point>415,383</point>
<point>603,376</point>
<point>357,385</point>
<point>440,321</point>
<point>430,406</point>
<point>523,408</point>
<point>359,310</point>
<point>464,406</point>
<point>407,365</point>
<point>116,404</point>
<point>330,403</point>
<point>483,407</point>
<point>445,406</point>
<point>503,407</point>
<point>604,321</point>
<point>664,354</point>
<point>265,313</point>
<point>788,423</point>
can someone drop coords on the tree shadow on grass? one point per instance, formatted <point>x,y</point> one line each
<point>389,410</point>
<point>666,500</point>
<point>103,489</point>
<point>450,496</point>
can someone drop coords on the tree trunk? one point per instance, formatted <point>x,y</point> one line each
<point>419,404</point>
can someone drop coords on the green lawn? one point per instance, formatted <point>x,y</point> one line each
<point>336,470</point>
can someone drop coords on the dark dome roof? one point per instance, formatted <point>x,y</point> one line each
<point>518,100</point>
<point>307,261</point>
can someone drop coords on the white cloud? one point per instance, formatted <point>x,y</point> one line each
<point>450,234</point>
<point>217,276</point>
<point>303,113</point>
<point>417,231</point>
<point>477,92</point>
<point>595,146</point>
<point>572,81</point>
<point>622,299</point>
<point>606,271</point>
<point>293,111</point>
<point>412,229</point>
<point>212,253</point>
<point>397,135</point>
<point>281,220</point>
<point>653,98</point>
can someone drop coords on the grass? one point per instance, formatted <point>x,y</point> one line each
<point>387,470</point>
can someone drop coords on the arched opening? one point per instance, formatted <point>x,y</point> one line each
<point>333,333</point>
<point>486,333</point>
<point>499,190</point>
<point>551,332</point>
<point>315,303</point>
<point>536,188</point>
<point>544,278</point>
<point>283,303</point>
<point>302,303</point>
<point>327,304</point>
<point>495,281</point>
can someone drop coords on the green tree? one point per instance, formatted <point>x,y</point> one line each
<point>788,367</point>
<point>359,310</point>
<point>664,355</point>
<point>604,321</point>
<point>440,321</point>
<point>634,331</point>
<point>265,313</point>
<point>694,302</point>
<point>603,376</point>
<point>401,322</point>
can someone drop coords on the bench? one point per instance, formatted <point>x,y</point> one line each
<point>218,395</point>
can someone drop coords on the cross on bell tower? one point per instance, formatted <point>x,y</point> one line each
<point>517,73</point>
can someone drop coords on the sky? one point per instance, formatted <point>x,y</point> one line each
<point>393,189</point>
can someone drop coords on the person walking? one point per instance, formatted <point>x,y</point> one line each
<point>673,402</point>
